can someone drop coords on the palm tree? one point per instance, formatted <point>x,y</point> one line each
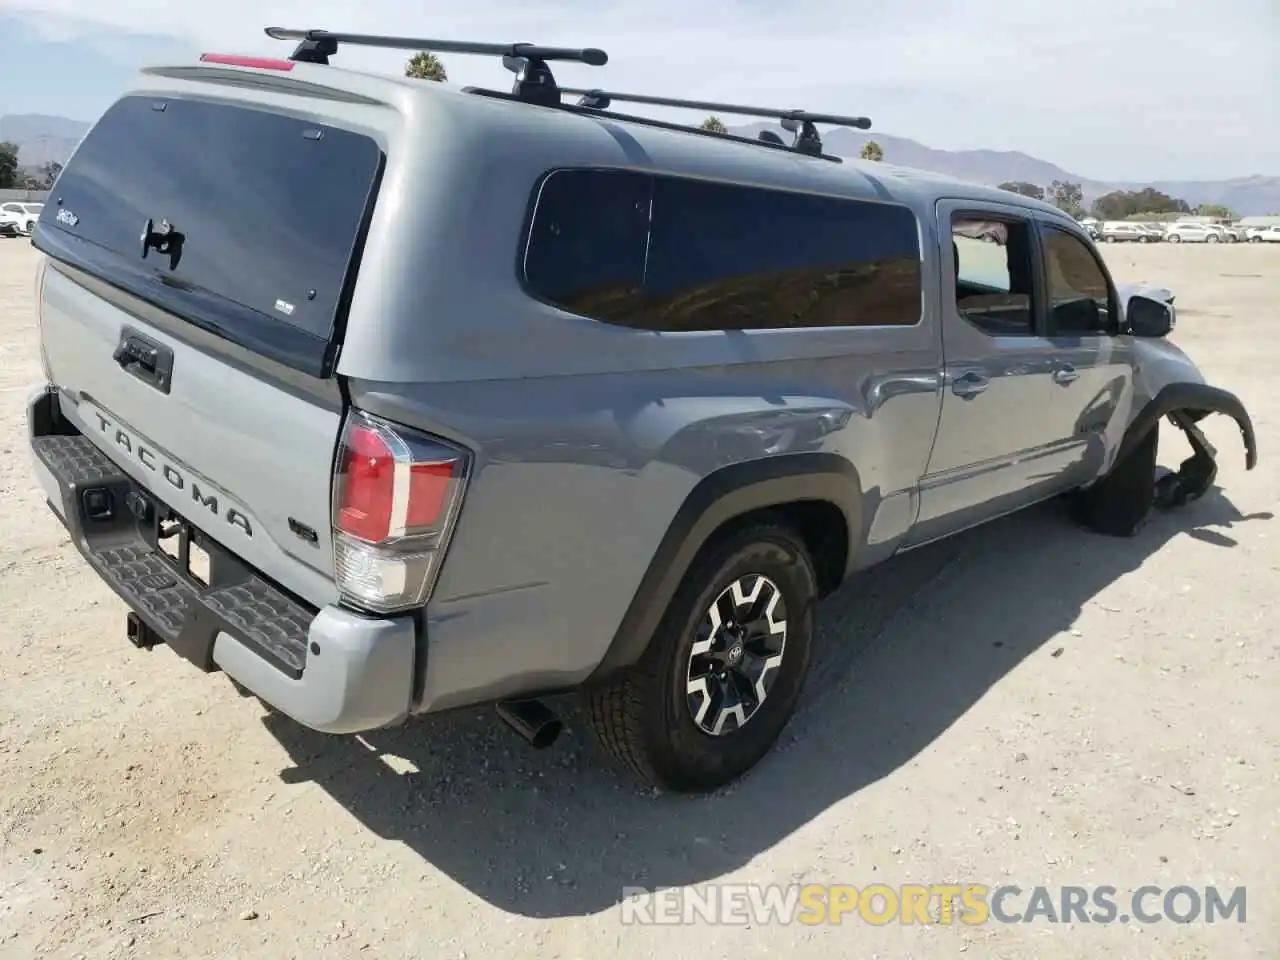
<point>425,66</point>
<point>872,151</point>
<point>714,124</point>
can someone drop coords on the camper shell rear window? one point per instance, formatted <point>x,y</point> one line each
<point>243,221</point>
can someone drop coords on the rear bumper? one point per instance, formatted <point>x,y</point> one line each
<point>330,669</point>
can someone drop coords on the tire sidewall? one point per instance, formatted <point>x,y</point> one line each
<point>688,753</point>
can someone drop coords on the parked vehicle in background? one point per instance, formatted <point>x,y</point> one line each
<point>1219,231</point>
<point>24,214</point>
<point>1123,231</point>
<point>1155,232</point>
<point>1269,234</point>
<point>1192,233</point>
<point>310,364</point>
<point>1235,233</point>
<point>11,225</point>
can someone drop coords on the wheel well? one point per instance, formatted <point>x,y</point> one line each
<point>821,526</point>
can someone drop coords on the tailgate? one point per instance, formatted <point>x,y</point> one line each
<point>200,257</point>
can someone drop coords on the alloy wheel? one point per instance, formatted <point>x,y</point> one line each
<point>736,654</point>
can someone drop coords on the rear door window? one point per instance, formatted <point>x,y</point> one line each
<point>263,210</point>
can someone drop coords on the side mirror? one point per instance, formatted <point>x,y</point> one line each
<point>1145,317</point>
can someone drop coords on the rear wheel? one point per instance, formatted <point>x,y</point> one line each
<point>1213,238</point>
<point>724,671</point>
<point>1255,239</point>
<point>1174,238</point>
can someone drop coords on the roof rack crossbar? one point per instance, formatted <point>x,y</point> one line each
<point>800,122</point>
<point>528,61</point>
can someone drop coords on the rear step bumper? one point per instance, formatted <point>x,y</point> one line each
<point>330,669</point>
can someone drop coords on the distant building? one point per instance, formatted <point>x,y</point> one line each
<point>1264,221</point>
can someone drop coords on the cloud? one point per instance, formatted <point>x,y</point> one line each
<point>1150,88</point>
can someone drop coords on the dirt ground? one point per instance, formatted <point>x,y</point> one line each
<point>1027,704</point>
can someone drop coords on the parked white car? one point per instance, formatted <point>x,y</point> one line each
<point>1121,231</point>
<point>24,215</point>
<point>1193,233</point>
<point>1269,234</point>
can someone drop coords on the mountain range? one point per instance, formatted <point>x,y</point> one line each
<point>1244,195</point>
<point>41,139</point>
<point>44,139</point>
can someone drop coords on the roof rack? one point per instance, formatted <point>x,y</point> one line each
<point>799,122</point>
<point>528,61</point>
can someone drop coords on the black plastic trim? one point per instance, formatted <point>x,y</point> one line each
<point>719,498</point>
<point>1196,398</point>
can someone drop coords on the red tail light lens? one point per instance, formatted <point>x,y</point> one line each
<point>258,63</point>
<point>396,496</point>
<point>428,494</point>
<point>367,474</point>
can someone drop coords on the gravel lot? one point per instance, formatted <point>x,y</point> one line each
<point>1026,704</point>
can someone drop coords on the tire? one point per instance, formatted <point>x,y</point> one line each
<point>1213,238</point>
<point>1255,239</point>
<point>1174,238</point>
<point>658,723</point>
<point>1120,504</point>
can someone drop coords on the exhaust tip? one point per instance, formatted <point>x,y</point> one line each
<point>532,720</point>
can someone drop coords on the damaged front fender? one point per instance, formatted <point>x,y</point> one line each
<point>1166,384</point>
<point>1185,402</point>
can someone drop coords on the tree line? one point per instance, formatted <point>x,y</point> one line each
<point>16,177</point>
<point>1116,205</point>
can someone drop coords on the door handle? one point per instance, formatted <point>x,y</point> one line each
<point>1065,376</point>
<point>969,385</point>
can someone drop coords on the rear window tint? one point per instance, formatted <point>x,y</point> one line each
<point>267,209</point>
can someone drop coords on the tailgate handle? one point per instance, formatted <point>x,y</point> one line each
<point>150,362</point>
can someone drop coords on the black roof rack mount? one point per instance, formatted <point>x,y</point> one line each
<point>528,61</point>
<point>799,122</point>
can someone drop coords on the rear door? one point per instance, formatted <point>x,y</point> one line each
<point>200,256</point>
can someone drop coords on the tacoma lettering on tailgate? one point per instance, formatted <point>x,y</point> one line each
<point>154,461</point>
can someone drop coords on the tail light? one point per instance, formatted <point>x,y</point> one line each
<point>396,498</point>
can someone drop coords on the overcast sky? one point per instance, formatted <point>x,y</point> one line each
<point>1129,90</point>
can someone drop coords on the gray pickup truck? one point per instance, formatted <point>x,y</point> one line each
<point>385,397</point>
